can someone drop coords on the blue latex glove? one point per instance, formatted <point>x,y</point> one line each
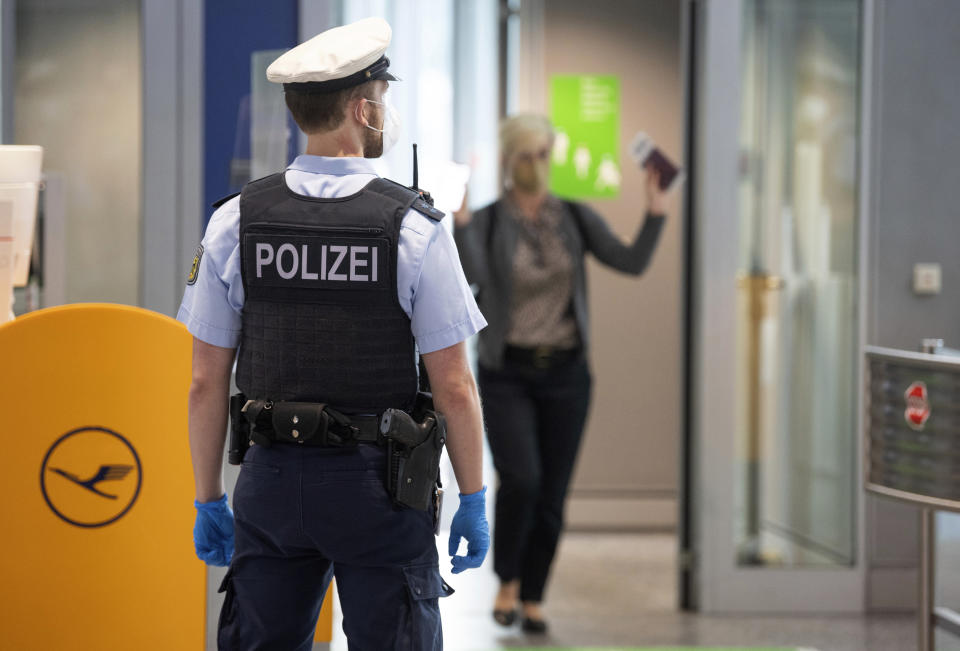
<point>470,522</point>
<point>213,532</point>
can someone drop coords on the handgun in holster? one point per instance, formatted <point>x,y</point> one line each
<point>414,445</point>
<point>239,430</point>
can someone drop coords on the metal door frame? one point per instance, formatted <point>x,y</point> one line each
<point>171,197</point>
<point>719,584</point>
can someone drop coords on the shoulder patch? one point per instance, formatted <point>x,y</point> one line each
<point>195,267</point>
<point>427,210</point>
<point>219,202</point>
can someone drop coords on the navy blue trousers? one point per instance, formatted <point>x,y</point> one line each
<point>304,515</point>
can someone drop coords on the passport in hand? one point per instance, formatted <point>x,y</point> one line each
<point>646,152</point>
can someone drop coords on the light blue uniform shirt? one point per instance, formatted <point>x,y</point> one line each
<point>430,282</point>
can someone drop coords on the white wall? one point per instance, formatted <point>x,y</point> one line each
<point>627,475</point>
<point>914,219</point>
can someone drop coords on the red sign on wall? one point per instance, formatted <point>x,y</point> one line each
<point>918,406</point>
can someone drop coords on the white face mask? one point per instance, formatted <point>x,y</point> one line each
<point>390,127</point>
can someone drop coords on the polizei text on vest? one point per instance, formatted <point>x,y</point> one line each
<point>323,262</point>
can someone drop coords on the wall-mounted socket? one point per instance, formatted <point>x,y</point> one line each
<point>927,278</point>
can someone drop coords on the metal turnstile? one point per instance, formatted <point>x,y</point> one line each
<point>912,453</point>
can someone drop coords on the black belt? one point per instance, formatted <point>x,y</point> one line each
<point>308,423</point>
<point>541,356</point>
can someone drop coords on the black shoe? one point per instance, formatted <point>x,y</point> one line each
<point>531,625</point>
<point>505,617</point>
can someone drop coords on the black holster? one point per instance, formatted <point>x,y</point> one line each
<point>239,430</point>
<point>414,445</point>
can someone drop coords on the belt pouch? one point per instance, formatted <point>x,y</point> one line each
<point>298,421</point>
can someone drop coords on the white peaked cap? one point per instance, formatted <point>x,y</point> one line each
<point>337,58</point>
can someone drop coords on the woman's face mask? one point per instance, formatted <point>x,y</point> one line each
<point>390,128</point>
<point>530,171</point>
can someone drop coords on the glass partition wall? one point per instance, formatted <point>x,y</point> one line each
<point>445,54</point>
<point>797,314</point>
<point>77,72</point>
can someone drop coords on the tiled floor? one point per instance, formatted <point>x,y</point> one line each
<point>618,589</point>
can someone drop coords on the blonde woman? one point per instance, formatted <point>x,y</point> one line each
<point>525,252</point>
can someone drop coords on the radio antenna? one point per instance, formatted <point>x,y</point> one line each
<point>416,174</point>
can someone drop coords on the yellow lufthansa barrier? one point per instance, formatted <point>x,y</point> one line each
<point>324,632</point>
<point>96,482</point>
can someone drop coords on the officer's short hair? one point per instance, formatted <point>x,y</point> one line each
<point>319,112</point>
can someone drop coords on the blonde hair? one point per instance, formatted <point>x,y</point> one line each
<point>518,130</point>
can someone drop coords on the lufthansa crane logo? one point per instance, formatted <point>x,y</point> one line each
<point>91,477</point>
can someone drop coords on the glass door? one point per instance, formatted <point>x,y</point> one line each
<point>797,315</point>
<point>786,535</point>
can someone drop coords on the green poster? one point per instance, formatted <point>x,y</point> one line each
<point>586,155</point>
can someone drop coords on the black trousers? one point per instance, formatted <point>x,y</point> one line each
<point>535,420</point>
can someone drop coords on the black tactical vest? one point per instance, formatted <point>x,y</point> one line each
<point>321,320</point>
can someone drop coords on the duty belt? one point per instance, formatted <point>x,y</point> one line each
<point>308,423</point>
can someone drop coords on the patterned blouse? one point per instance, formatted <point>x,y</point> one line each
<point>541,312</point>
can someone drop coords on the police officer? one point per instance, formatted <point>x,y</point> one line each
<point>324,282</point>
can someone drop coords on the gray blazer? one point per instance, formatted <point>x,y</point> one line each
<point>487,245</point>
